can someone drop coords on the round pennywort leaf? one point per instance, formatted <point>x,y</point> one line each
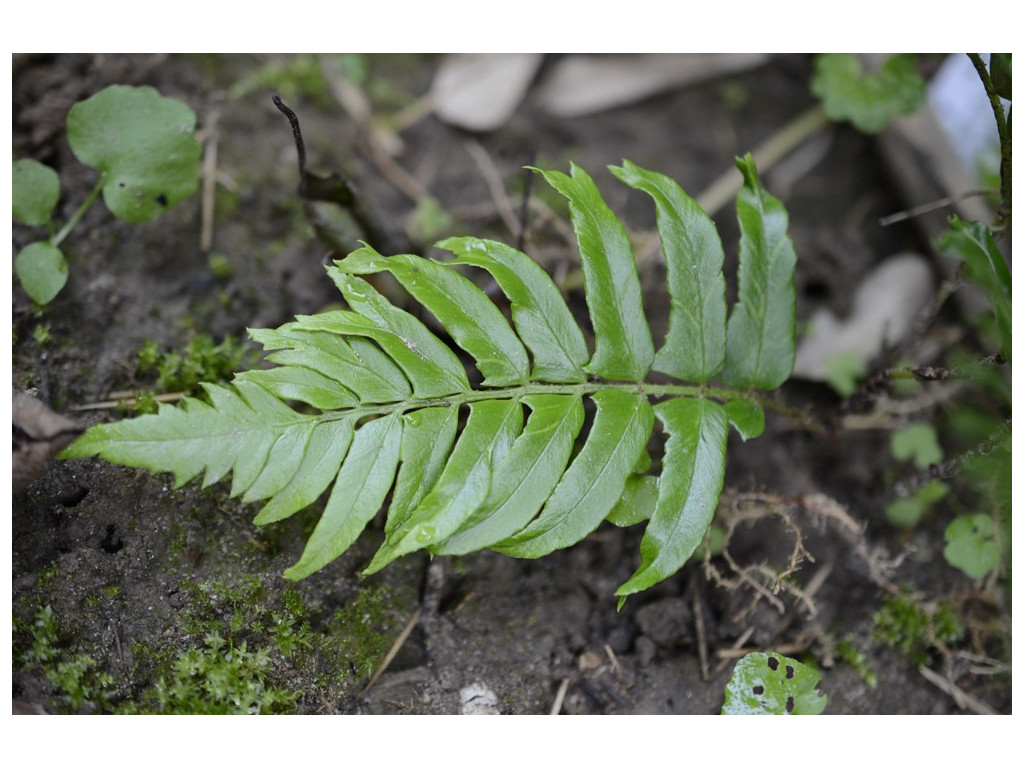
<point>142,144</point>
<point>36,189</point>
<point>916,442</point>
<point>42,270</point>
<point>772,684</point>
<point>971,545</point>
<point>869,101</point>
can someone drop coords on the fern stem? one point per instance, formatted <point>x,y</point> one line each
<point>1003,128</point>
<point>654,391</point>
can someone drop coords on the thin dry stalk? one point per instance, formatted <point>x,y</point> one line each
<point>563,688</point>
<point>495,185</point>
<point>209,171</point>
<point>395,648</point>
<point>962,699</point>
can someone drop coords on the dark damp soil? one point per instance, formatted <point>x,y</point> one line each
<point>118,577</point>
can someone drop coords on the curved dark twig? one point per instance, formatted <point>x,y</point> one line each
<point>300,145</point>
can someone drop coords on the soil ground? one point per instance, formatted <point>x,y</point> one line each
<point>137,573</point>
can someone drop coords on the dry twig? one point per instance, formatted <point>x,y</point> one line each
<point>395,648</point>
<point>209,173</point>
<point>494,183</point>
<point>963,699</point>
<point>556,707</point>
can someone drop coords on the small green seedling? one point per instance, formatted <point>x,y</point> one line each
<point>906,512</point>
<point>918,443</point>
<point>772,684</point>
<point>869,101</point>
<point>143,147</point>
<point>845,372</point>
<point>971,545</point>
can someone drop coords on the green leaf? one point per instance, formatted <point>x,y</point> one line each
<point>907,512</point>
<point>463,483</point>
<point>637,502</point>
<point>694,348</point>
<point>526,476</point>
<point>430,365</point>
<point>359,368</point>
<point>368,404</point>
<point>746,416</point>
<point>234,433</point>
<point>539,312</point>
<point>971,545</point>
<point>623,338</point>
<point>142,145</point>
<point>972,242</point>
<point>845,371</point>
<point>427,438</point>
<point>35,192</point>
<point>474,322</point>
<point>302,384</point>
<point>428,220</point>
<point>594,480</point>
<point>1001,67</point>
<point>328,443</point>
<point>688,489</point>
<point>869,101</point>
<point>772,684</point>
<point>42,270</point>
<point>761,344</point>
<point>362,484</point>
<point>917,443</point>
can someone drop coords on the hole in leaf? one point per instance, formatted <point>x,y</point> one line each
<point>789,704</point>
<point>162,199</point>
<point>758,690</point>
<point>773,663</point>
<point>789,672</point>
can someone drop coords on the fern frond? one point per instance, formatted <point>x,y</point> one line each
<point>370,400</point>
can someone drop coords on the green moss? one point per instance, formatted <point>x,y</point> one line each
<point>46,576</point>
<point>363,631</point>
<point>269,643</point>
<point>848,652</point>
<point>41,333</point>
<point>220,266</point>
<point>913,627</point>
<point>78,683</point>
<point>217,678</point>
<point>235,646</point>
<point>200,360</point>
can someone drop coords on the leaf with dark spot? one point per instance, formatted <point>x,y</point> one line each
<point>756,688</point>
